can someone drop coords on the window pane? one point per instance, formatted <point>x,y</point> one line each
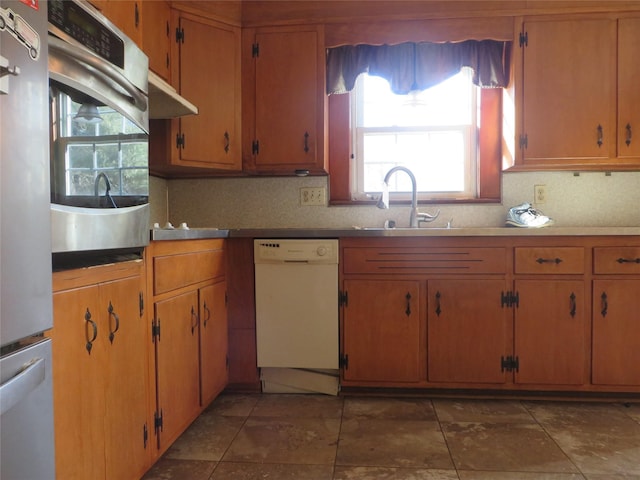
<point>80,156</point>
<point>107,155</point>
<point>135,182</point>
<point>80,182</point>
<point>134,154</point>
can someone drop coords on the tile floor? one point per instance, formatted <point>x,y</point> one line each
<point>316,437</point>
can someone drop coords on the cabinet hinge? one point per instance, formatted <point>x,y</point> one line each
<point>179,35</point>
<point>343,299</point>
<point>226,299</point>
<point>255,147</point>
<point>141,303</point>
<point>343,361</point>
<point>255,50</point>
<point>155,330</point>
<point>158,421</point>
<point>509,299</point>
<point>524,39</point>
<point>509,364</point>
<point>524,141</point>
<point>180,140</point>
<point>145,435</point>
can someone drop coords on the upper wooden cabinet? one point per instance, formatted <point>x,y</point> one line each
<point>284,101</point>
<point>205,69</point>
<point>125,14</point>
<point>156,36</point>
<point>579,94</point>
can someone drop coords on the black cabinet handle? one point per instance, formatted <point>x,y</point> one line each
<point>628,130</point>
<point>604,304</point>
<point>194,320</point>
<point>600,135</point>
<point>572,305</point>
<point>628,260</point>
<point>408,310</point>
<point>438,309</point>
<point>227,142</point>
<point>88,321</point>
<point>306,142</point>
<point>549,260</point>
<point>114,315</point>
<point>207,316</point>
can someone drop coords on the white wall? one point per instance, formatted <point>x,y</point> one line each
<point>590,199</point>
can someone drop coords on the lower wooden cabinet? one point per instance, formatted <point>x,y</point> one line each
<point>616,332</point>
<point>554,314</point>
<point>100,373</point>
<point>383,337</point>
<point>189,332</point>
<point>468,331</point>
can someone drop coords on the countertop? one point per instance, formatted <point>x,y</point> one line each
<point>200,233</point>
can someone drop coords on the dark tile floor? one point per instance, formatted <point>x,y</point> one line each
<point>316,437</point>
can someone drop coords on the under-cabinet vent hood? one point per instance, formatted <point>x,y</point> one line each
<point>165,102</point>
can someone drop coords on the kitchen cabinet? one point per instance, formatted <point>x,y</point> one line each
<point>100,373</point>
<point>205,69</point>
<point>382,331</point>
<point>284,100</point>
<point>551,326</point>
<point>468,331</point>
<point>616,303</point>
<point>124,14</point>
<point>189,331</point>
<point>156,36</point>
<point>585,70</point>
<point>513,313</point>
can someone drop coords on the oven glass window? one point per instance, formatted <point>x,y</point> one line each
<point>97,147</point>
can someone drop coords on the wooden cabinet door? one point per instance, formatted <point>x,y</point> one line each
<point>468,331</point>
<point>177,364</point>
<point>382,334</point>
<point>550,333</point>
<point>80,340</point>
<point>628,88</point>
<point>289,101</point>
<point>213,341</point>
<point>569,92</point>
<point>209,75</point>
<point>125,378</point>
<point>126,15</point>
<point>616,332</point>
<point>156,36</point>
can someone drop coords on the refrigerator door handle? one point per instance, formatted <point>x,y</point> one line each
<point>14,390</point>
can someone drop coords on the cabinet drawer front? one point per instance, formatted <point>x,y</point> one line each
<point>176,271</point>
<point>424,260</point>
<point>549,260</point>
<point>616,260</point>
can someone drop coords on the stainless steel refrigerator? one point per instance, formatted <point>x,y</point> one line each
<point>26,403</point>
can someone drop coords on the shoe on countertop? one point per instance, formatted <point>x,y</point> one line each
<point>526,216</point>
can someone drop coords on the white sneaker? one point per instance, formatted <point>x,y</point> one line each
<point>526,216</point>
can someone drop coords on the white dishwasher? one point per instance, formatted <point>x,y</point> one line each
<point>296,282</point>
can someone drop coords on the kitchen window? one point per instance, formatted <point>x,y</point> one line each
<point>445,122</point>
<point>432,132</point>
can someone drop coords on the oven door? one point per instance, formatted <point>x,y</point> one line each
<point>99,153</point>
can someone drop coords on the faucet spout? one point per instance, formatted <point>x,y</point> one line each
<point>415,217</point>
<point>107,185</point>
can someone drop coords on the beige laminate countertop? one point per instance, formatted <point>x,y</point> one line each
<point>200,233</point>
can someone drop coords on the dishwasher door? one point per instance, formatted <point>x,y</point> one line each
<point>297,303</point>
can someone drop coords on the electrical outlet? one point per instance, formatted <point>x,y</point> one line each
<point>539,194</point>
<point>312,195</point>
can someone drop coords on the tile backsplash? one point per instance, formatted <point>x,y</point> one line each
<point>587,199</point>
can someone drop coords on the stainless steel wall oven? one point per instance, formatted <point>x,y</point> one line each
<point>99,126</point>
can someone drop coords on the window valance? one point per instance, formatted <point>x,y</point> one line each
<point>418,66</point>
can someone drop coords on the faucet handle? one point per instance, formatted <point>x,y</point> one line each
<point>424,217</point>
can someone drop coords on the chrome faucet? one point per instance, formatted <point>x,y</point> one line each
<point>416,217</point>
<point>107,185</point>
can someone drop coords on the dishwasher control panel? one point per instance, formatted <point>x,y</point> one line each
<point>295,250</point>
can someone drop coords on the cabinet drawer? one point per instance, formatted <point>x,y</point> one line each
<point>424,260</point>
<point>549,260</point>
<point>616,260</point>
<point>176,271</point>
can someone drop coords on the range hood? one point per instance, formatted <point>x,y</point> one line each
<point>165,102</point>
